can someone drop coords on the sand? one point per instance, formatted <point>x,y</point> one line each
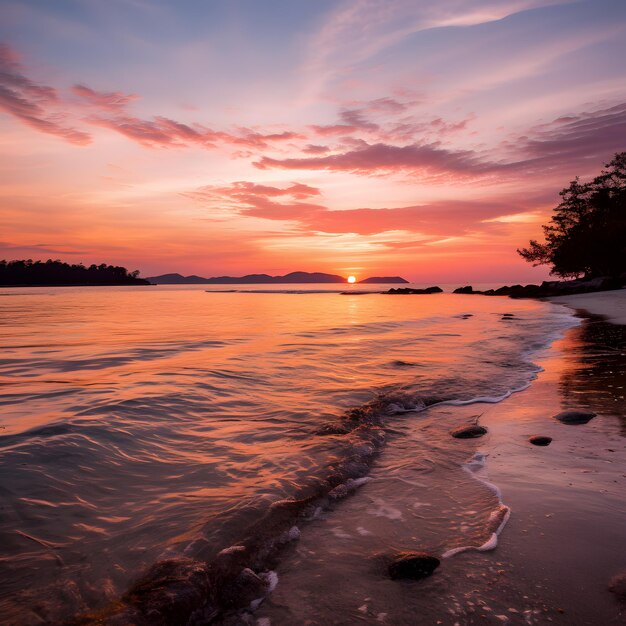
<point>563,544</point>
<point>566,536</point>
<point>611,304</point>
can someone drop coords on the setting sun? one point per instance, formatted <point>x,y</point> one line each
<point>351,279</point>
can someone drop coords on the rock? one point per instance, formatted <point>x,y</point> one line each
<point>540,440</point>
<point>414,565</point>
<point>332,428</point>
<point>466,289</point>
<point>171,591</point>
<point>618,586</point>
<point>469,432</point>
<point>408,290</point>
<point>574,417</point>
<point>241,590</point>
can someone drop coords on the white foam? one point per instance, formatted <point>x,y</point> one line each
<point>271,578</point>
<point>476,468</point>
<point>385,510</point>
<point>232,550</point>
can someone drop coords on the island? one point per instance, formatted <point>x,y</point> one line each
<point>29,273</point>
<point>384,280</point>
<point>264,279</point>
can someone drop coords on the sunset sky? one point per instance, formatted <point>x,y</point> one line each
<point>420,138</point>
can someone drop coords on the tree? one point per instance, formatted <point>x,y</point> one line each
<point>586,235</point>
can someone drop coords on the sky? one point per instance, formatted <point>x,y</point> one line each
<point>367,137</point>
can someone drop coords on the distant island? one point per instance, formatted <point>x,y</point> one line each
<point>385,280</point>
<point>251,279</point>
<point>28,273</point>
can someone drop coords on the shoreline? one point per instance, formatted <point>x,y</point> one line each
<point>555,558</point>
<point>567,527</point>
<point>610,304</point>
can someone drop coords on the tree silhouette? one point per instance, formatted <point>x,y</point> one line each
<point>586,235</point>
<point>28,272</point>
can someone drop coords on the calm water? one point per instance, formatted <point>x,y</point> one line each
<point>145,423</point>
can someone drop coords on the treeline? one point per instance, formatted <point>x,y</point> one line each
<point>28,272</point>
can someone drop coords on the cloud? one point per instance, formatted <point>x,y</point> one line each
<point>42,108</point>
<point>444,218</point>
<point>567,142</point>
<point>358,30</point>
<point>110,101</point>
<point>31,103</point>
<point>387,105</point>
<point>157,132</point>
<point>380,157</point>
<point>315,149</point>
<point>588,137</point>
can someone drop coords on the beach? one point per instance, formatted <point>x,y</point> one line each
<point>564,542</point>
<point>611,304</point>
<point>199,466</point>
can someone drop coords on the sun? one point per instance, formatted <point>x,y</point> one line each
<point>352,279</point>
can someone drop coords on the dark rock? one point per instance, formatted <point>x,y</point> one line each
<point>540,440</point>
<point>408,290</point>
<point>574,417</point>
<point>469,432</point>
<point>414,565</point>
<point>550,288</point>
<point>242,590</point>
<point>171,591</point>
<point>332,429</point>
<point>466,289</point>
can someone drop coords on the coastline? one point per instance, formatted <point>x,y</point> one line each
<point>566,529</point>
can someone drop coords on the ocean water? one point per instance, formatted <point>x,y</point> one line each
<point>140,424</point>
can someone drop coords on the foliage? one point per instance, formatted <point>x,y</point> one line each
<point>587,232</point>
<point>28,272</point>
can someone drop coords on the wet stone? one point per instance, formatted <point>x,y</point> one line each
<point>540,440</point>
<point>332,429</point>
<point>414,565</point>
<point>574,417</point>
<point>469,432</point>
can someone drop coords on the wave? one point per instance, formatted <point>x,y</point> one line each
<point>241,575</point>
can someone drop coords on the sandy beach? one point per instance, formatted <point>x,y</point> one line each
<point>566,536</point>
<point>564,542</point>
<point>611,304</point>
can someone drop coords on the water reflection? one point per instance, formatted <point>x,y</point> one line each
<point>594,374</point>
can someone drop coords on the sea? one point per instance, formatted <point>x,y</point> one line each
<point>187,424</point>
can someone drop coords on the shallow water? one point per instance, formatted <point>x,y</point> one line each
<point>143,423</point>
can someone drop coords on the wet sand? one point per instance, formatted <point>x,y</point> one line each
<point>567,538</point>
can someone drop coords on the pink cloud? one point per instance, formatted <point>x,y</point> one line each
<point>387,158</point>
<point>31,103</point>
<point>445,218</point>
<point>110,101</point>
